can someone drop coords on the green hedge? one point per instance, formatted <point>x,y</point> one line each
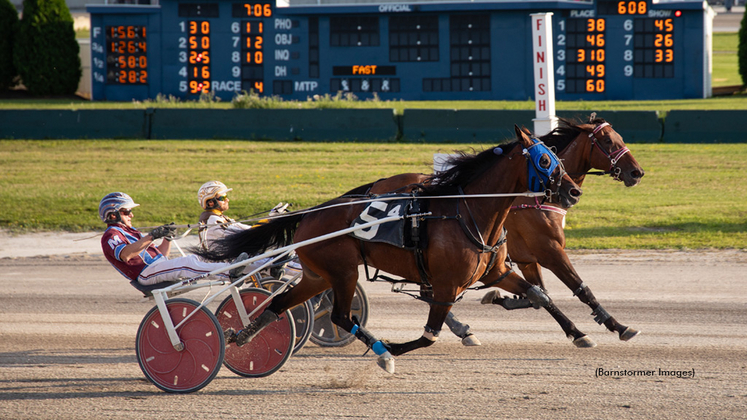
<point>8,27</point>
<point>742,50</point>
<point>45,51</point>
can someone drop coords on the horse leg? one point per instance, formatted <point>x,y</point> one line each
<point>532,273</point>
<point>513,283</point>
<point>561,266</point>
<point>461,330</point>
<point>436,317</point>
<point>340,316</point>
<point>601,316</point>
<point>456,326</point>
<point>310,285</point>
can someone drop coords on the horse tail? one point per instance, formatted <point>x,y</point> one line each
<point>275,234</point>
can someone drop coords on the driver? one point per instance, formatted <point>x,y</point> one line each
<point>214,224</point>
<point>136,256</point>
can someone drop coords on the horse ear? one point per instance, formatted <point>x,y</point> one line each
<point>522,136</point>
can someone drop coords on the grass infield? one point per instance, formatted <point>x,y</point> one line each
<point>688,198</point>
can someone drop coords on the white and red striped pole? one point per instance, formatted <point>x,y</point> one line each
<point>544,74</point>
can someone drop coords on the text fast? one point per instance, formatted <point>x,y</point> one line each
<point>364,69</point>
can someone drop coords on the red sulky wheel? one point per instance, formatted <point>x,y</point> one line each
<point>269,350</point>
<point>193,367</point>
<point>303,314</point>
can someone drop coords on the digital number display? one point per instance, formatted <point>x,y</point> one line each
<point>253,55</point>
<point>364,70</point>
<point>199,58</point>
<point>126,54</point>
<point>623,7</point>
<point>587,54</point>
<point>654,48</point>
<point>251,10</point>
<point>601,50</point>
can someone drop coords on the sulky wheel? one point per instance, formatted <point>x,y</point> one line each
<point>327,334</point>
<point>269,350</point>
<point>303,315</point>
<point>196,364</point>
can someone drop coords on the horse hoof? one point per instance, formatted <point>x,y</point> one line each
<point>584,342</point>
<point>490,297</point>
<point>628,334</point>
<point>471,341</point>
<point>386,363</point>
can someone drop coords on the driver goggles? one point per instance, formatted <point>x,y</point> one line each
<point>222,198</point>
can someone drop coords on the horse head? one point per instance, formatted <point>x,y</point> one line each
<point>545,172</point>
<point>609,153</point>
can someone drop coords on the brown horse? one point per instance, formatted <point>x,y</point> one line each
<point>535,230</point>
<point>451,260</point>
<point>536,237</point>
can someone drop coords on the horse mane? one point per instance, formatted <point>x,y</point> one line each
<point>566,132</point>
<point>464,168</point>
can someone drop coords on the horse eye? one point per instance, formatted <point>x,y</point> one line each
<point>544,162</point>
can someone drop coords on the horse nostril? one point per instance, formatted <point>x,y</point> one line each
<point>576,193</point>
<point>638,174</point>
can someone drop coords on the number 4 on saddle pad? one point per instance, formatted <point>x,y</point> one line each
<point>393,233</point>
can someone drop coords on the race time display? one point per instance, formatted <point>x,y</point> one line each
<point>602,50</point>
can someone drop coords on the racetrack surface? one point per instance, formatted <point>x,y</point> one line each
<point>68,326</point>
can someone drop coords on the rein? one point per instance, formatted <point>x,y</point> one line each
<point>368,200</point>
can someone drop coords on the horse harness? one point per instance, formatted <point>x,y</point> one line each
<point>418,240</point>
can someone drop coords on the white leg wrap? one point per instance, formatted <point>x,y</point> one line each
<point>430,336</point>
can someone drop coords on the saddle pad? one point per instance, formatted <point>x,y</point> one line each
<point>390,233</point>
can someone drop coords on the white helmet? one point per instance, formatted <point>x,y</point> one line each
<point>209,190</point>
<point>112,203</point>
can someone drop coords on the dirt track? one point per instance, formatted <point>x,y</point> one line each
<point>68,326</point>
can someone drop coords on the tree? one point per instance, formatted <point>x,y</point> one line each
<point>742,50</point>
<point>45,50</point>
<point>8,26</point>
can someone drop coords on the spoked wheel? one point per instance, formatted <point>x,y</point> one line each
<point>303,315</point>
<point>326,333</point>
<point>193,367</point>
<point>269,350</point>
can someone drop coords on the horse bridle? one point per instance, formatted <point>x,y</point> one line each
<point>613,157</point>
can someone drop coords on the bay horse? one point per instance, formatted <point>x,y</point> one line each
<point>451,261</point>
<point>535,230</point>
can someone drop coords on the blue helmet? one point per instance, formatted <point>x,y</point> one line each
<point>111,203</point>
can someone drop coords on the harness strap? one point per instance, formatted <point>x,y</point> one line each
<point>494,282</point>
<point>425,285</point>
<point>478,242</point>
<point>539,206</point>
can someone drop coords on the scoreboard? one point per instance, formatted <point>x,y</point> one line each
<point>602,50</point>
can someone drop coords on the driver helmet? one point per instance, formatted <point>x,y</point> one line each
<point>112,203</point>
<point>210,190</point>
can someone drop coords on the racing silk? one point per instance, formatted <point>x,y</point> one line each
<point>115,238</point>
<point>214,225</point>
